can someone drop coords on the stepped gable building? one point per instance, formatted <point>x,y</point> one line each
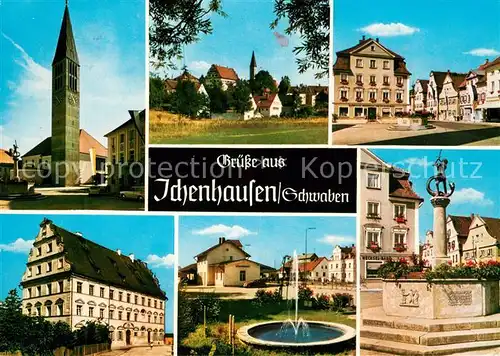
<point>388,214</point>
<point>370,81</point>
<point>67,150</point>
<point>420,92</point>
<point>483,240</point>
<point>343,264</point>
<point>72,279</point>
<point>449,97</point>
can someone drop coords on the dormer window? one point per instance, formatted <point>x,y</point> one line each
<point>373,181</point>
<point>49,247</point>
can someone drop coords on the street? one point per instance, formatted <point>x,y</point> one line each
<point>444,134</point>
<point>164,350</point>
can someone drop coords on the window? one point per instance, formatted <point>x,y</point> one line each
<point>399,238</point>
<point>359,95</point>
<point>48,310</point>
<point>161,304</point>
<point>149,318</point>
<point>243,276</point>
<point>149,302</point>
<point>373,79</point>
<point>399,96</point>
<point>39,251</point>
<point>128,297</point>
<point>161,319</point>
<point>111,312</point>
<point>38,291</point>
<point>60,286</point>
<point>359,63</point>
<point>373,181</point>
<point>79,287</point>
<point>91,311</point>
<point>386,64</point>
<point>38,269</point>
<point>128,316</point>
<point>373,95</point>
<point>60,263</point>
<point>156,303</point>
<point>101,313</point>
<point>28,292</point>
<point>156,319</point>
<point>91,289</point>
<point>29,272</point>
<point>49,247</point>
<point>49,266</point>
<point>122,142</point>
<point>343,93</point>
<point>59,309</point>
<point>136,299</point>
<point>399,80</point>
<point>344,111</point>
<point>78,310</point>
<point>399,211</point>
<point>385,95</point>
<point>120,335</point>
<point>343,77</point>
<point>373,236</point>
<point>111,294</point>
<point>120,296</point>
<point>359,78</point>
<point>120,315</point>
<point>143,301</point>
<point>49,289</point>
<point>101,292</point>
<point>373,209</point>
<point>135,316</point>
<point>373,64</point>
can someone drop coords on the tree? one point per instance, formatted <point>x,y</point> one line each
<point>296,104</point>
<point>321,101</point>
<point>263,80</point>
<point>175,23</point>
<point>11,323</point>
<point>186,100</point>
<point>284,86</point>
<point>310,19</point>
<point>157,96</point>
<point>218,98</point>
<point>240,97</point>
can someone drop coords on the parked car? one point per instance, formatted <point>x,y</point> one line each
<point>134,193</point>
<point>98,189</point>
<point>258,283</point>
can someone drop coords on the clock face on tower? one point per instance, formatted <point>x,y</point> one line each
<point>73,99</point>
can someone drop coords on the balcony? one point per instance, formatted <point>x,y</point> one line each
<point>399,101</point>
<point>373,84</point>
<point>373,216</point>
<point>344,82</point>
<point>386,84</point>
<point>359,83</point>
<point>399,85</point>
<point>400,219</point>
<point>373,100</point>
<point>386,100</point>
<point>359,99</point>
<point>344,99</point>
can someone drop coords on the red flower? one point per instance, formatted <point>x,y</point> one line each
<point>449,263</point>
<point>470,263</point>
<point>403,260</point>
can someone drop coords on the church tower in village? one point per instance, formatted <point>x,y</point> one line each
<point>253,66</point>
<point>65,141</point>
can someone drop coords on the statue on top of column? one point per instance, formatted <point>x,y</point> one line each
<point>440,180</point>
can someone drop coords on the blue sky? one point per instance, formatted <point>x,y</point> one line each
<point>436,34</point>
<point>245,29</point>
<point>110,39</point>
<point>475,173</point>
<point>267,239</point>
<point>149,238</point>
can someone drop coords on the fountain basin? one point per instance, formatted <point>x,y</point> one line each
<point>321,334</point>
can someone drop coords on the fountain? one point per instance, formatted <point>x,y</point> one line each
<point>296,333</point>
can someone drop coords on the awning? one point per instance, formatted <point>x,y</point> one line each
<point>490,105</point>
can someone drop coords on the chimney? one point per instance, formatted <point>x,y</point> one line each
<point>364,37</point>
<point>472,216</point>
<point>222,240</point>
<point>376,39</point>
<point>132,257</point>
<point>78,233</point>
<point>119,252</point>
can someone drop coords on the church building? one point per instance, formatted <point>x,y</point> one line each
<point>71,153</point>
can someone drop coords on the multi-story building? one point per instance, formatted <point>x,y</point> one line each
<point>342,265</point>
<point>483,240</point>
<point>457,230</point>
<point>224,75</point>
<point>434,88</point>
<point>492,104</point>
<point>388,214</point>
<point>171,84</point>
<point>126,154</point>
<point>421,95</point>
<point>72,279</point>
<point>449,97</point>
<point>316,270</point>
<point>370,81</point>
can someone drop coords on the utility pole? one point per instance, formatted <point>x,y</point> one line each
<point>305,255</point>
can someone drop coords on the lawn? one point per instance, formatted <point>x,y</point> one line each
<point>247,313</point>
<point>166,128</point>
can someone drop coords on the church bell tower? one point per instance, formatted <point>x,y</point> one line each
<point>65,139</point>
<point>253,66</point>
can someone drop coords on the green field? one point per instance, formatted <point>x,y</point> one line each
<point>165,128</point>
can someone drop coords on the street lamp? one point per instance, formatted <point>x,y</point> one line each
<point>305,254</point>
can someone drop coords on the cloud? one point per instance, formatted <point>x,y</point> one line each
<point>112,83</point>
<point>483,52</point>
<point>18,246</point>
<point>389,30</point>
<point>199,67</point>
<point>156,261</point>
<point>418,161</point>
<point>231,232</point>
<point>470,196</point>
<point>336,240</point>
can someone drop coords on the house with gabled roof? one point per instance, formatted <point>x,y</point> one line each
<point>483,240</point>
<point>72,279</point>
<point>449,97</point>
<point>388,214</point>
<point>226,264</point>
<point>420,95</point>
<point>225,75</point>
<point>371,81</point>
<point>457,230</point>
<point>342,265</point>
<point>268,105</point>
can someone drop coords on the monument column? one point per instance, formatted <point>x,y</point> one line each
<point>439,238</point>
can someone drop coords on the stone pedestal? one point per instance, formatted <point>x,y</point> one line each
<point>440,299</point>
<point>439,237</point>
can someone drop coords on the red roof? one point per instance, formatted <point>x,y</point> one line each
<point>87,142</point>
<point>402,188</point>
<point>225,72</point>
<point>5,158</point>
<point>461,223</point>
<point>492,63</point>
<point>310,266</point>
<point>264,101</point>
